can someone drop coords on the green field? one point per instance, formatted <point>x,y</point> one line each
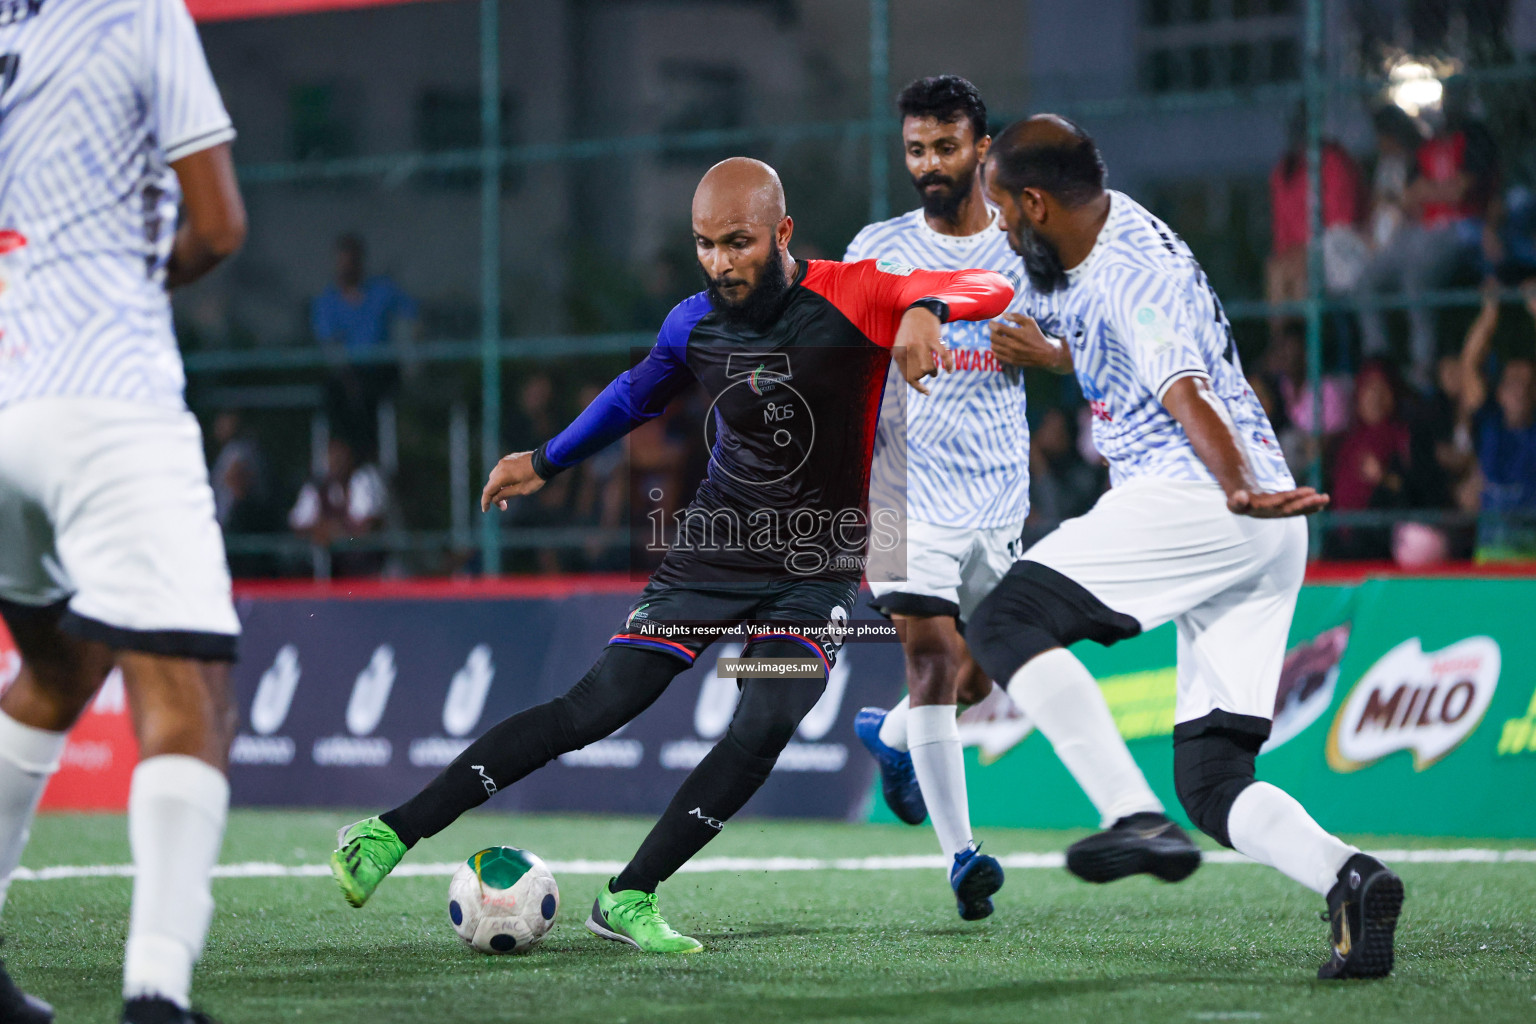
<point>1235,942</point>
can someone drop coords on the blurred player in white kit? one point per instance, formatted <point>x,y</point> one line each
<point>109,552</point>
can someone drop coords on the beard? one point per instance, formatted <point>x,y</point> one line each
<point>761,306</point>
<point>1042,260</point>
<point>944,204</point>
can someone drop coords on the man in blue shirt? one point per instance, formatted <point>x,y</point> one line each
<point>1502,428</point>
<point>356,317</point>
<point>357,312</point>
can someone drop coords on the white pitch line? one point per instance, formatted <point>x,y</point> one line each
<point>744,865</point>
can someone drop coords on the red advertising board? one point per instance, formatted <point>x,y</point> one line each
<point>99,758</point>
<point>230,10</point>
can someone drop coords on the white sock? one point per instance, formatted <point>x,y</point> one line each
<point>28,756</point>
<point>1269,825</point>
<point>940,766</point>
<point>893,731</point>
<point>176,810</point>
<point>1061,696</point>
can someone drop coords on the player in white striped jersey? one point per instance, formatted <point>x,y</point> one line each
<point>1202,526</point>
<point>112,558</point>
<point>955,462</point>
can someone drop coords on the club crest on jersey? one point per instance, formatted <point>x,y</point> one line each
<point>893,267</point>
<point>761,371</point>
<point>1153,329</point>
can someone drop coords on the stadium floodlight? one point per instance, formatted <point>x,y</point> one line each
<point>1415,84</point>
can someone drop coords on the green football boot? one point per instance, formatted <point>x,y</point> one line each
<point>631,916</point>
<point>369,850</point>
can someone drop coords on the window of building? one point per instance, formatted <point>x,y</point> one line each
<point>1204,45</point>
<point>448,120</point>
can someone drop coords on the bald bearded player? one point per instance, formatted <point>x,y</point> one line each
<point>794,356</point>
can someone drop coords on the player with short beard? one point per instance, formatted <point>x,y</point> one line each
<point>956,466</point>
<point>777,344</point>
<point>1202,526</point>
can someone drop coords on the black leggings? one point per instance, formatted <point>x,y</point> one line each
<point>623,683</point>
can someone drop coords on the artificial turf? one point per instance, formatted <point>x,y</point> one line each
<point>1234,942</point>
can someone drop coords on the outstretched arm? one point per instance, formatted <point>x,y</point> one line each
<point>1474,353</point>
<point>635,396</point>
<point>901,307</point>
<point>1204,418</point>
<point>930,298</point>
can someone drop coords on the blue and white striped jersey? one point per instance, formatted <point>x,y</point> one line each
<point>1140,314</point>
<point>97,99</point>
<point>967,442</point>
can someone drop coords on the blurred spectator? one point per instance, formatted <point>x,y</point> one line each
<point>1398,138</point>
<point>241,499</point>
<point>348,502</point>
<point>1285,370</point>
<point>1454,176</point>
<point>601,490</point>
<point>1502,431</point>
<point>1513,245</point>
<point>1439,467</point>
<point>1344,248</point>
<point>357,315</point>
<point>1061,484</point>
<point>238,476</point>
<point>1369,466</point>
<point>533,420</point>
<point>357,312</point>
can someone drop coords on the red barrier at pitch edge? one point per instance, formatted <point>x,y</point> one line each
<point>231,10</point>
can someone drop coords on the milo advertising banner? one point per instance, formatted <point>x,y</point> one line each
<point>1406,706</point>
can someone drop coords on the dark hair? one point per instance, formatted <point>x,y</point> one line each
<point>351,242</point>
<point>1072,172</point>
<point>945,98</point>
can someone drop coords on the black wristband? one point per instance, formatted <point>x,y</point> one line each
<point>938,307</point>
<point>542,466</point>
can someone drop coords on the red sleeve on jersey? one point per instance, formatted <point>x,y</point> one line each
<point>875,299</point>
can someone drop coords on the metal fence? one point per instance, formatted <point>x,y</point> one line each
<point>425,433</point>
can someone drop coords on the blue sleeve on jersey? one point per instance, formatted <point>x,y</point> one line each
<point>636,395</point>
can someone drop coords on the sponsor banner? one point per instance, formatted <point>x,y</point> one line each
<point>1405,706</point>
<point>358,703</point>
<point>98,760</point>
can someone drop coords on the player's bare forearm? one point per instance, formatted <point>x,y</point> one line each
<point>920,347</point>
<point>1018,341</point>
<point>213,220</point>
<point>513,477</point>
<point>1201,413</point>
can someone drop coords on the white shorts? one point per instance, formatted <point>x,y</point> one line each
<point>949,569</point>
<point>105,504</point>
<point>1165,550</point>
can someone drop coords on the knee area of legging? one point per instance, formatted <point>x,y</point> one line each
<point>1209,772</point>
<point>771,711</point>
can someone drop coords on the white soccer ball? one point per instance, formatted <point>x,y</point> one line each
<point>503,900</point>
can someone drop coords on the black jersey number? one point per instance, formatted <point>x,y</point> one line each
<point>9,63</point>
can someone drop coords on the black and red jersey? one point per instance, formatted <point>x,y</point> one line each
<point>791,426</point>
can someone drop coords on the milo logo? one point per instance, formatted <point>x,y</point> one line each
<point>1426,702</point>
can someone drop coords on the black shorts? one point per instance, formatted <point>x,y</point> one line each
<point>794,610</point>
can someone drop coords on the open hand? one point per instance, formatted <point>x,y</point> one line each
<point>513,477</point>
<point>1303,501</point>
